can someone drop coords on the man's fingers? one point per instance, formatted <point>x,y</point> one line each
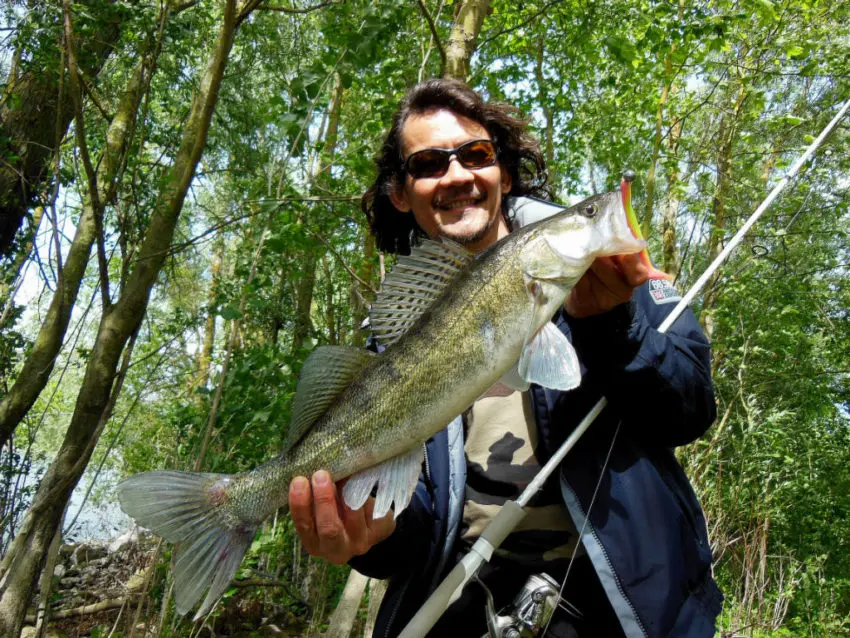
<point>301,510</point>
<point>329,526</point>
<point>634,269</point>
<point>610,274</point>
<point>378,529</point>
<point>356,527</point>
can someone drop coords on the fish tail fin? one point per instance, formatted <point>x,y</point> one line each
<point>187,509</point>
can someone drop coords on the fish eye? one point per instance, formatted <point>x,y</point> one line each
<point>590,210</point>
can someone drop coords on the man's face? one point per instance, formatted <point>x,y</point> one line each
<point>463,205</point>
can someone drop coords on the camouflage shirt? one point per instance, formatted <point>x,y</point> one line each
<point>501,442</point>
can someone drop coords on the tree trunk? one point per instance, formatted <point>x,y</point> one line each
<point>31,114</point>
<point>342,618</point>
<point>202,375</point>
<point>306,284</point>
<point>666,90</point>
<point>726,133</point>
<point>463,38</point>
<point>377,589</point>
<point>39,364</point>
<point>360,294</point>
<point>10,279</point>
<point>669,258</point>
<point>27,554</point>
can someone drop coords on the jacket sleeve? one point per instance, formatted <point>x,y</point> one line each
<point>661,381</point>
<point>408,546</point>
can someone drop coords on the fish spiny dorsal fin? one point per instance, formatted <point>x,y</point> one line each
<point>327,371</point>
<point>413,285</point>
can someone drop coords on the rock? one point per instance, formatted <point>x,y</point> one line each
<point>69,582</point>
<point>28,632</point>
<point>72,572</point>
<point>59,571</point>
<point>137,581</point>
<point>86,553</point>
<point>128,539</point>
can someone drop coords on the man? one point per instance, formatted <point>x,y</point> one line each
<point>640,565</point>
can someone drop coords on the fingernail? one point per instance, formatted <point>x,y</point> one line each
<point>321,478</point>
<point>299,486</point>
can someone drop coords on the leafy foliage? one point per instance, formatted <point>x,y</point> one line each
<point>715,101</point>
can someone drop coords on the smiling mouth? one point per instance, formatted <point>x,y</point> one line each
<point>459,202</point>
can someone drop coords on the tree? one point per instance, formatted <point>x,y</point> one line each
<point>36,110</point>
<point>119,322</point>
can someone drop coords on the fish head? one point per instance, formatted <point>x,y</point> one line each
<point>562,247</point>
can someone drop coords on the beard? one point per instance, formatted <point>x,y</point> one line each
<point>470,236</point>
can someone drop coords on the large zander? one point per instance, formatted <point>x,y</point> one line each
<point>453,324</point>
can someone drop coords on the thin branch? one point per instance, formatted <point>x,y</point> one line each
<point>249,7</point>
<point>315,7</point>
<point>520,25</point>
<point>259,582</point>
<point>341,260</point>
<point>89,90</point>
<point>94,196</point>
<point>182,6</point>
<point>434,34</point>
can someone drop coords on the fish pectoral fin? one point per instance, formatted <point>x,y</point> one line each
<point>549,360</point>
<point>396,479</point>
<point>185,508</point>
<point>327,371</point>
<point>513,379</point>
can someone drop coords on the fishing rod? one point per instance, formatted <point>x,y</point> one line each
<point>512,512</point>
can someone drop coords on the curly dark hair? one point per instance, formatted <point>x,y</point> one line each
<point>519,154</point>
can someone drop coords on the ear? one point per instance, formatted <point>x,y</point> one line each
<point>506,181</point>
<point>398,197</point>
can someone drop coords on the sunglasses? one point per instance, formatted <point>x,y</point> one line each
<point>434,162</point>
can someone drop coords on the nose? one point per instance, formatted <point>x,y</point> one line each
<point>456,173</point>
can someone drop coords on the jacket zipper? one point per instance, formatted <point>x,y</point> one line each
<point>616,579</point>
<point>396,607</point>
<point>407,582</point>
<point>427,464</point>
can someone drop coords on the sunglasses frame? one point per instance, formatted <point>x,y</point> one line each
<point>448,152</point>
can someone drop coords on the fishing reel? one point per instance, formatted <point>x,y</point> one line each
<point>530,611</point>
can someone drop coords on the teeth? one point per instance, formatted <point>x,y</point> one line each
<point>458,203</point>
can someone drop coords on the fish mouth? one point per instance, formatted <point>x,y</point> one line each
<point>459,202</point>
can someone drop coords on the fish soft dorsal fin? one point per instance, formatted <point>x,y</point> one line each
<point>327,371</point>
<point>413,285</point>
<point>396,479</point>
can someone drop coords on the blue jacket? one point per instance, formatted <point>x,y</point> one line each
<point>646,537</point>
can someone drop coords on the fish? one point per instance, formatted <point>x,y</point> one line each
<point>452,324</point>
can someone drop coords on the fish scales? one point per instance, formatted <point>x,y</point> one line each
<point>436,371</point>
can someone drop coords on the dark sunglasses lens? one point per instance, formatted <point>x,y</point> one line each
<point>428,163</point>
<point>477,154</point>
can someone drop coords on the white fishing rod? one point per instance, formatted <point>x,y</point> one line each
<point>512,512</point>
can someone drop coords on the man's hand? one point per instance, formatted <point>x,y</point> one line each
<point>609,282</point>
<point>327,526</point>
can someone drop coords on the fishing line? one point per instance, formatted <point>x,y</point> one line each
<point>584,524</point>
<point>512,511</point>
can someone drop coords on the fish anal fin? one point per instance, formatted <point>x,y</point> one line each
<point>326,372</point>
<point>396,479</point>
